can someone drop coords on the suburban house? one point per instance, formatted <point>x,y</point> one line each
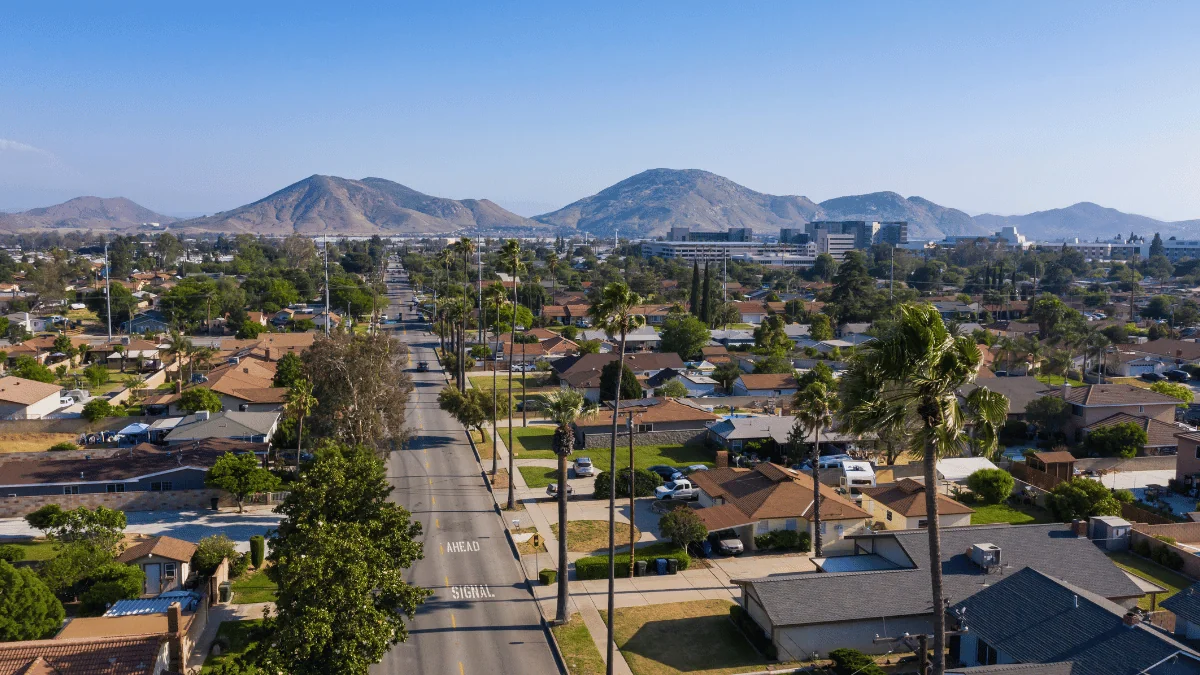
<point>583,372</point>
<point>252,427</point>
<point>1094,402</point>
<point>1178,352</point>
<point>150,321</point>
<point>165,560</point>
<point>142,478</point>
<point>733,433</point>
<point>1032,617</point>
<point>734,337</point>
<point>770,497</point>
<point>798,333</point>
<point>698,385</point>
<point>765,385</point>
<point>656,421</point>
<point>148,654</point>
<point>715,354</point>
<point>1185,605</point>
<point>752,311</point>
<point>247,385</point>
<point>1018,390</point>
<point>882,590</point>
<point>1160,435</point>
<point>901,506</point>
<point>642,338</point>
<point>1187,459</point>
<point>22,399</point>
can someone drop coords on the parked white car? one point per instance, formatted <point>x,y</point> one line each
<point>583,467</point>
<point>680,488</point>
<point>66,401</point>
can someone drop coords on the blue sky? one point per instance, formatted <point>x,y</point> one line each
<point>1003,107</point>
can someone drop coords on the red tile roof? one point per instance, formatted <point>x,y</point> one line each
<point>82,656</point>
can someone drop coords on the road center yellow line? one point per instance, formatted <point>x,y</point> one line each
<point>436,523</point>
<point>441,551</point>
<point>460,668</point>
<point>453,623</point>
<point>434,500</point>
<point>447,581</point>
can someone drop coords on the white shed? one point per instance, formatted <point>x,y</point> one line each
<point>956,469</point>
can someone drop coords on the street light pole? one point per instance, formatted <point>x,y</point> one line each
<point>108,291</point>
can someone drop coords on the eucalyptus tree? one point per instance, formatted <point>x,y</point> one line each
<point>913,371</point>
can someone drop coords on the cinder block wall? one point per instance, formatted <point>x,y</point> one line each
<point>15,507</point>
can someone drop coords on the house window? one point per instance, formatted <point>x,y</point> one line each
<point>70,489</point>
<point>889,515</point>
<point>762,527</point>
<point>923,523</point>
<point>643,428</point>
<point>737,445</point>
<point>985,654</point>
<point>823,524</point>
<point>790,524</point>
<point>114,487</point>
<point>1141,408</point>
<point>169,570</point>
<point>164,486</point>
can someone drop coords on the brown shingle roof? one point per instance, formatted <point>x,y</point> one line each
<point>723,517</point>
<point>25,392</point>
<point>667,410</point>
<point>1158,434</point>
<point>1112,394</point>
<point>1176,349</point>
<point>140,460</point>
<point>769,381</point>
<point>770,491</point>
<point>907,497</point>
<point>82,656</point>
<point>1054,457</point>
<point>166,547</point>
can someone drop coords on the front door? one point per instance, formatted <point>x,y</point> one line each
<point>153,573</point>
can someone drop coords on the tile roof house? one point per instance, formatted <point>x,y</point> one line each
<point>1031,617</point>
<point>901,506</point>
<point>770,497</point>
<point>715,354</point>
<point>247,386</point>
<point>22,399</point>
<point>1018,390</point>
<point>583,372</point>
<point>765,385</point>
<point>1094,402</point>
<point>125,655</point>
<point>656,421</point>
<point>887,590</point>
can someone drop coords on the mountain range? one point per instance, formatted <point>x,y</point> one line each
<point>645,205</point>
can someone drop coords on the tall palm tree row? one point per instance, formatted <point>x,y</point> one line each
<point>495,300</point>
<point>815,406</point>
<point>612,311</point>
<point>563,407</point>
<point>912,374</point>
<point>510,257</point>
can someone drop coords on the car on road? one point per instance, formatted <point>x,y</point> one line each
<point>689,470</point>
<point>583,467</point>
<point>422,366</point>
<point>66,400</point>
<point>726,542</point>
<point>523,368</point>
<point>1152,377</point>
<point>552,490</point>
<point>531,404</point>
<point>680,488</point>
<point>665,472</point>
<point>1177,375</point>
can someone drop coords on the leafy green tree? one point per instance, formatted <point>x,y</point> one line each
<point>471,408</point>
<point>853,662</point>
<point>1117,440</point>
<point>110,583</point>
<point>99,408</point>
<point>589,347</point>
<point>96,374</point>
<point>1174,390</point>
<point>726,374</point>
<point>200,398</point>
<point>240,476</point>
<point>288,369</point>
<point>28,609</point>
<point>66,574</point>
<point>26,367</point>
<point>776,364</point>
<point>11,553</point>
<point>630,389</point>
<point>338,558</point>
<point>685,335</point>
<point>1049,413</point>
<point>123,304</point>
<point>821,328</point>
<point>370,369</point>
<point>683,527</point>
<point>1082,498</point>
<point>991,486</point>
<point>853,296</point>
<point>771,336</point>
<point>250,330</point>
<point>820,372</point>
<point>102,526</point>
<point>210,551</point>
<point>672,389</point>
<point>1159,307</point>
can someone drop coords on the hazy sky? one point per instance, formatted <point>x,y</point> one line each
<point>1005,107</point>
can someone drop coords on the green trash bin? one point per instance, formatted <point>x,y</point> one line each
<point>639,568</point>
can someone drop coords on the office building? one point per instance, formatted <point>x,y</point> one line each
<point>836,245</point>
<point>865,232</point>
<point>734,234</point>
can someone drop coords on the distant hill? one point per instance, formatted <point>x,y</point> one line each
<point>84,213</point>
<point>1087,221</point>
<point>336,205</point>
<point>653,201</point>
<point>926,220</point>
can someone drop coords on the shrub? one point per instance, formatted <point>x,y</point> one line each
<point>1142,548</point>
<point>753,632</point>
<point>992,486</point>
<point>1014,432</point>
<point>644,483</point>
<point>64,446</point>
<point>548,577</point>
<point>110,583</point>
<point>1082,498</point>
<point>258,547</point>
<point>11,553</point>
<point>238,564</point>
<point>596,566</point>
<point>682,526</point>
<point>1165,539</point>
<point>849,661</point>
<point>99,408</point>
<point>210,551</point>
<point>1167,557</point>
<point>1124,496</point>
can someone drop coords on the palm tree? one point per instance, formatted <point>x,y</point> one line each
<point>510,257</point>
<point>564,407</point>
<point>914,371</point>
<point>178,345</point>
<point>815,406</point>
<point>494,298</point>
<point>299,403</point>
<point>612,311</point>
<point>552,263</point>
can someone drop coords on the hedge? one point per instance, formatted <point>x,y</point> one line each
<point>644,483</point>
<point>596,566</point>
<point>11,553</point>
<point>257,549</point>
<point>854,662</point>
<point>548,576</point>
<point>753,632</point>
<point>784,540</point>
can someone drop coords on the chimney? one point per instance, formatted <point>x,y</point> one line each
<point>1131,619</point>
<point>175,657</point>
<point>173,618</point>
<point>722,459</point>
<point>268,353</point>
<point>1079,527</point>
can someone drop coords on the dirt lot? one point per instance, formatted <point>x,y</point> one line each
<point>32,442</point>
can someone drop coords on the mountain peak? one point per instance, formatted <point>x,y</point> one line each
<point>84,213</point>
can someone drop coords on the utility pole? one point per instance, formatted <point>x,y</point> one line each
<point>479,258</point>
<point>108,291</point>
<point>892,275</point>
<point>325,243</point>
<point>724,284</point>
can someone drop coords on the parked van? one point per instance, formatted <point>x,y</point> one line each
<point>857,475</point>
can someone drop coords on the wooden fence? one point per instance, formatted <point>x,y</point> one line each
<point>1036,478</point>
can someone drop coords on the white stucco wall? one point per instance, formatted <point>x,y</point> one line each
<point>799,643</point>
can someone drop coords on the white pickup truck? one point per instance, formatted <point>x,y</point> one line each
<point>680,488</point>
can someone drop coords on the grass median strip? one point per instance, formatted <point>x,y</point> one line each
<point>586,536</point>
<point>578,649</point>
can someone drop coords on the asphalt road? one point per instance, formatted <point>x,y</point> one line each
<point>482,618</point>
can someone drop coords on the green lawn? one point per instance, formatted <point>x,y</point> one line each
<point>1151,571</point>
<point>1057,380</point>
<point>1005,513</point>
<point>239,635</point>
<point>36,550</point>
<point>536,384</point>
<point>644,457</point>
<point>695,637</point>
<point>532,442</point>
<point>577,647</point>
<point>254,588</point>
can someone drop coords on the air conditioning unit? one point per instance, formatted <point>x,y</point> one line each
<point>986,556</point>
